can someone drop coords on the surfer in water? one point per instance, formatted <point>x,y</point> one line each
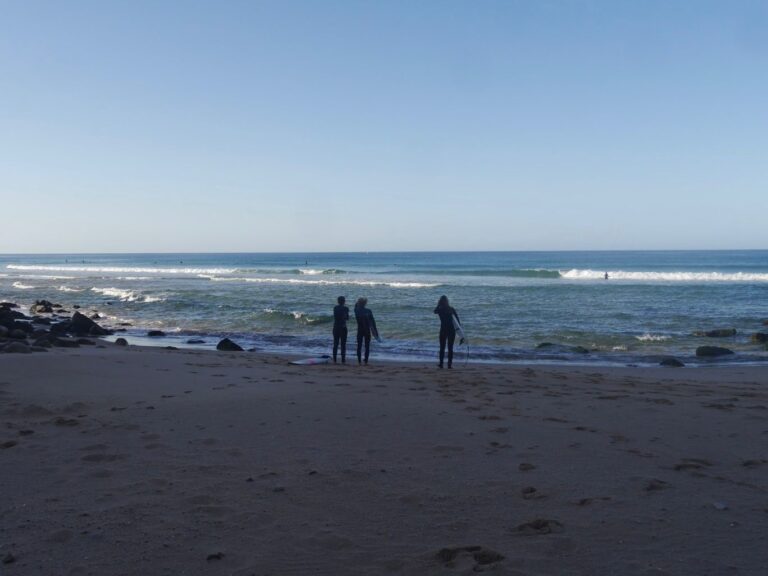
<point>447,329</point>
<point>366,325</point>
<point>340,317</point>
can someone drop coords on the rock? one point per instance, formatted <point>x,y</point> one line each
<point>65,343</point>
<point>81,325</point>
<point>671,363</point>
<point>76,306</point>
<point>195,341</point>
<point>170,347</point>
<point>41,307</point>
<point>561,348</point>
<point>85,342</point>
<point>8,305</point>
<point>42,342</point>
<point>121,342</point>
<point>759,337</point>
<point>155,333</point>
<point>712,351</point>
<point>3,331</point>
<point>719,333</point>
<point>17,334</point>
<point>16,348</point>
<point>41,320</point>
<point>95,316</point>
<point>228,346</point>
<point>526,466</point>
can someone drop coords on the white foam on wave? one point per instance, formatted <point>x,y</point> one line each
<point>121,269</point>
<point>126,295</point>
<point>577,274</point>
<point>22,286</point>
<point>68,289</point>
<point>320,282</point>
<point>647,337</point>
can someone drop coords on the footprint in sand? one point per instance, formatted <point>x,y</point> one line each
<point>692,464</point>
<point>469,557</point>
<point>539,527</point>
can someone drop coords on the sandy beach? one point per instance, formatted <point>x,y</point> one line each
<point>150,461</point>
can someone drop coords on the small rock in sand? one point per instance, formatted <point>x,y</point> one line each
<point>228,346</point>
<point>525,467</point>
<point>121,342</point>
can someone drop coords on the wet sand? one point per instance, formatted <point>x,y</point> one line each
<point>145,461</point>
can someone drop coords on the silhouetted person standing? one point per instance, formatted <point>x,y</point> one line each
<point>340,317</point>
<point>447,329</point>
<point>365,325</point>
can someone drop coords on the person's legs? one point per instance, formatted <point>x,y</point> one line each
<point>367,347</point>
<point>443,338</point>
<point>336,335</point>
<point>451,340</point>
<point>360,337</point>
<point>343,338</point>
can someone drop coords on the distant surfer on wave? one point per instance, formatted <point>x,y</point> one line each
<point>447,314</point>
<point>366,325</point>
<point>340,317</point>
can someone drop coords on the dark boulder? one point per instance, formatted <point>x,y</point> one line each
<point>719,333</point>
<point>155,333</point>
<point>41,320</point>
<point>195,341</point>
<point>85,342</point>
<point>121,342</point>
<point>95,316</point>
<point>41,307</point>
<point>17,334</point>
<point>81,325</point>
<point>3,331</point>
<point>759,337</point>
<point>16,348</point>
<point>712,351</point>
<point>671,363</point>
<point>65,343</point>
<point>42,342</point>
<point>228,346</point>
<point>8,305</point>
<point>61,327</point>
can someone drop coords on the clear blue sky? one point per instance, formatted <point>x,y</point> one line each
<point>321,125</point>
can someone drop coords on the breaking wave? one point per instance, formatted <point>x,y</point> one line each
<point>121,269</point>
<point>22,286</point>
<point>653,338</point>
<point>302,317</point>
<point>576,274</point>
<point>320,282</point>
<point>126,295</point>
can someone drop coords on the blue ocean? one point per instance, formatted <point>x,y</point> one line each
<point>652,304</point>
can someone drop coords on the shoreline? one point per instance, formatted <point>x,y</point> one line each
<point>126,460</point>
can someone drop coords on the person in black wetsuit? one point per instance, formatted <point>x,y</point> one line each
<point>365,325</point>
<point>447,329</point>
<point>340,317</point>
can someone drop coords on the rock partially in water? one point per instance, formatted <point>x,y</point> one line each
<point>227,345</point>
<point>712,351</point>
<point>155,333</point>
<point>759,337</point>
<point>671,363</point>
<point>719,333</point>
<point>121,342</point>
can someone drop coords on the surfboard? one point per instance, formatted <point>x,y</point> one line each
<point>375,333</point>
<point>459,329</point>
<point>312,361</point>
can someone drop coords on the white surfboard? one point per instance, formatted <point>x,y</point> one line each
<point>459,329</point>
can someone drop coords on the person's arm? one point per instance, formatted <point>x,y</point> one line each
<point>346,311</point>
<point>437,310</point>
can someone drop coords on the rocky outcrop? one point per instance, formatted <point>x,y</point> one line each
<point>719,333</point>
<point>552,347</point>
<point>81,325</point>
<point>671,363</point>
<point>155,333</point>
<point>227,345</point>
<point>42,307</point>
<point>759,338</point>
<point>712,351</point>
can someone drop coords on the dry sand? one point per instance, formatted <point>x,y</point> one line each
<point>138,461</point>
